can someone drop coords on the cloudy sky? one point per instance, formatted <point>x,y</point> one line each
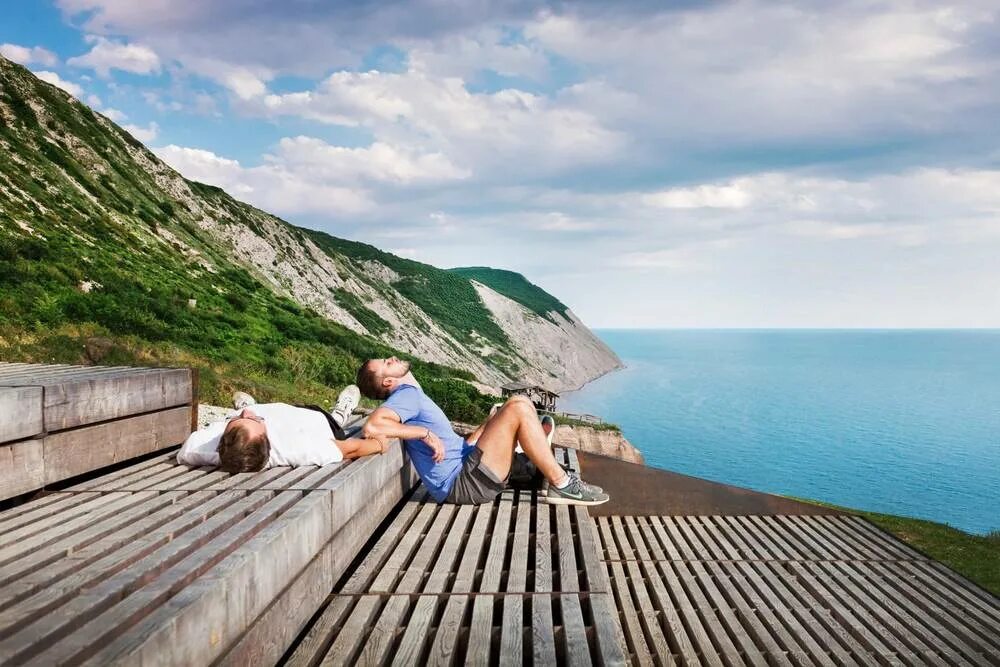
<point>717,164</point>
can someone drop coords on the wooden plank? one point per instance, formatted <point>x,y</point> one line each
<point>110,477</point>
<point>481,627</point>
<point>704,547</point>
<point>411,645</point>
<point>180,620</point>
<point>680,635</point>
<point>919,631</point>
<point>444,649</point>
<point>86,449</point>
<point>819,620</point>
<point>716,622</point>
<point>734,630</point>
<point>710,534</point>
<point>635,636</point>
<point>99,398</point>
<point>761,621</point>
<point>20,413</point>
<point>37,636</point>
<point>356,628</point>
<point>30,539</point>
<point>855,618</point>
<point>22,467</point>
<point>577,650</point>
<point>937,603</point>
<point>274,630</point>
<point>512,624</point>
<point>103,559</point>
<point>543,646</point>
<point>128,510</point>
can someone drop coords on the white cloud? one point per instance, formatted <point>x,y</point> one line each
<point>507,131</point>
<point>29,55</point>
<point>51,77</point>
<point>702,196</point>
<point>270,186</point>
<point>144,134</point>
<point>107,55</point>
<point>378,162</point>
<point>119,116</point>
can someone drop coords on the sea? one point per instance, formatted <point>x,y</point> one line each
<point>902,422</point>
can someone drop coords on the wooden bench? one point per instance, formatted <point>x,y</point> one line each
<point>158,562</point>
<point>58,421</point>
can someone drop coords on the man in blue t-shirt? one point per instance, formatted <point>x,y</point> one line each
<point>456,469</point>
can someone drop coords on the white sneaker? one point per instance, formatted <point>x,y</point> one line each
<point>241,400</point>
<point>346,402</point>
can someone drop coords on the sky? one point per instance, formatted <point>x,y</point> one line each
<point>685,164</point>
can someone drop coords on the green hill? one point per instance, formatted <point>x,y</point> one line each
<point>105,256</point>
<point>517,287</point>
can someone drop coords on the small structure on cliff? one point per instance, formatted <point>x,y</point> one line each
<point>540,396</point>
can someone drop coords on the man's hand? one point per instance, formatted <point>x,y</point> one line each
<point>437,447</point>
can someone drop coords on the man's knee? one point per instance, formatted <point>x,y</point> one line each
<point>519,403</point>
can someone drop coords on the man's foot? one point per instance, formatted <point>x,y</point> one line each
<point>577,492</point>
<point>241,400</point>
<point>346,402</point>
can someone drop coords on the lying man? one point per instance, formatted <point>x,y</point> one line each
<point>458,470</point>
<point>263,436</point>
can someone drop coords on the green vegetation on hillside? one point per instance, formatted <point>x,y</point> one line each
<point>976,557</point>
<point>448,298</point>
<point>91,247</point>
<point>516,287</point>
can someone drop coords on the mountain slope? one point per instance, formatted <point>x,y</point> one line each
<point>83,203</point>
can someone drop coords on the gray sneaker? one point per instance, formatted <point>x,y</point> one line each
<point>346,402</point>
<point>577,492</point>
<point>241,400</point>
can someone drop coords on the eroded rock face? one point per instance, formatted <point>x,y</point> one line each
<point>606,443</point>
<point>561,355</point>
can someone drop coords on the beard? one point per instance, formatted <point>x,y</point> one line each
<point>404,368</point>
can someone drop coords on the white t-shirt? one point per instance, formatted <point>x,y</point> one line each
<point>298,437</point>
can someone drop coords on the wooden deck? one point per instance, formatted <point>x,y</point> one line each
<point>512,582</point>
<point>783,590</point>
<point>351,564</point>
<point>161,563</point>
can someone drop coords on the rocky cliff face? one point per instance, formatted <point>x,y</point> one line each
<point>606,443</point>
<point>63,162</point>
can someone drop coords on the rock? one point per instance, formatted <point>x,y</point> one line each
<point>97,347</point>
<point>606,443</point>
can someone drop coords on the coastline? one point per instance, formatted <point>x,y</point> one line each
<point>620,367</point>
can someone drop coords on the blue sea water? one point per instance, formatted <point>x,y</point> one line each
<point>902,422</point>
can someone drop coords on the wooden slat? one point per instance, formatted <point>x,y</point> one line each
<point>85,449</point>
<point>20,413</point>
<point>411,645</point>
<point>100,597</point>
<point>444,650</point>
<point>544,644</point>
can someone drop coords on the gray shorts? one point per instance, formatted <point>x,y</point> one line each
<point>476,484</point>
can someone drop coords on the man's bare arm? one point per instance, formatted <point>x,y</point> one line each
<point>383,424</point>
<point>354,448</point>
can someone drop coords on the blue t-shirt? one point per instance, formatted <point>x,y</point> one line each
<point>415,408</point>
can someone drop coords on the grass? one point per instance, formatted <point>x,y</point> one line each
<point>516,287</point>
<point>447,297</point>
<point>976,557</point>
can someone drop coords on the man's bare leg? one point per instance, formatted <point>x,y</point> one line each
<point>517,421</point>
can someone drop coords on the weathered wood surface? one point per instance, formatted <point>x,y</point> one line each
<point>786,590</point>
<point>162,563</point>
<point>60,421</point>
<point>78,395</point>
<point>20,413</point>
<point>510,582</point>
